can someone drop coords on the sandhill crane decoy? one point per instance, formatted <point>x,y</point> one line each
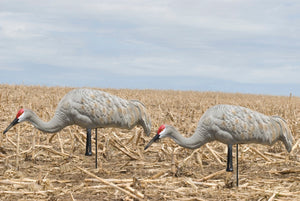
<point>90,109</point>
<point>231,125</point>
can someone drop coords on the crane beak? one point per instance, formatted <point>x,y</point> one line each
<point>156,137</point>
<point>14,122</point>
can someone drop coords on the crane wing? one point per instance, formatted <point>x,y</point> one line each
<point>235,124</point>
<point>93,108</point>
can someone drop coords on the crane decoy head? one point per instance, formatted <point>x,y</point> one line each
<point>19,118</point>
<point>160,134</point>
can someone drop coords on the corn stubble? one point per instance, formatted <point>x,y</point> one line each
<point>39,166</point>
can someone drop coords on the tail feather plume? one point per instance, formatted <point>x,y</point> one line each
<point>286,134</point>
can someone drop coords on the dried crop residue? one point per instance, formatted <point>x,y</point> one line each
<point>53,166</point>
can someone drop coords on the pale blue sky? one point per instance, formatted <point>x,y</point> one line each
<point>246,46</point>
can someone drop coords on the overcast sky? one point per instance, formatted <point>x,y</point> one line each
<point>246,46</point>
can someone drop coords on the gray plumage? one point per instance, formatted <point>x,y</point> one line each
<point>231,125</point>
<point>90,108</point>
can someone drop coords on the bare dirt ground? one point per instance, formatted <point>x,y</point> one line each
<point>40,166</point>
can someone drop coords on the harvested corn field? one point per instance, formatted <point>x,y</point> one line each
<point>41,166</point>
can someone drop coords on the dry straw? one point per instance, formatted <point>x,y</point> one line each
<point>39,166</point>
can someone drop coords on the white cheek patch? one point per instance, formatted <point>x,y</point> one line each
<point>21,117</point>
<point>162,133</point>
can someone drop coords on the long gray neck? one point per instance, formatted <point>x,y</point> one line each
<point>198,139</point>
<point>54,125</point>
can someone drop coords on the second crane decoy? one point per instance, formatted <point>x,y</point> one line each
<point>231,125</point>
<point>90,109</point>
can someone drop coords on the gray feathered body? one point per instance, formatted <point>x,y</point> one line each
<point>90,108</point>
<point>232,124</point>
<point>93,108</point>
<point>238,125</point>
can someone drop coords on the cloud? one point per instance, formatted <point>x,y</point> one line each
<point>246,41</point>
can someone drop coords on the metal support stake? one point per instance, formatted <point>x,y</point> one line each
<point>96,148</point>
<point>237,165</point>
